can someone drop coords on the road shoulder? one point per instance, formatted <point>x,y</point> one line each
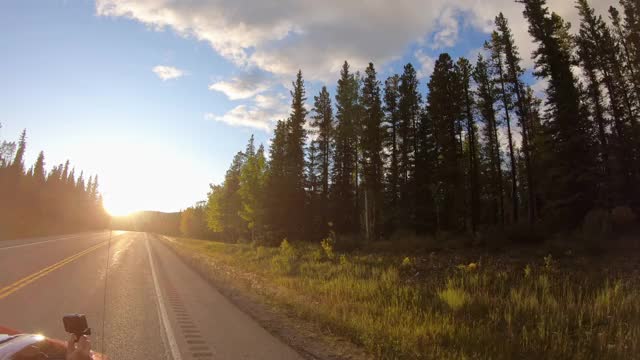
<point>309,339</point>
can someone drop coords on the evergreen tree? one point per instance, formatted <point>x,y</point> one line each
<point>38,170</point>
<point>486,99</point>
<point>496,47</point>
<point>444,102</point>
<point>80,182</point>
<point>628,34</point>
<point>225,204</point>
<point>409,111</point>
<point>626,68</point>
<point>425,205</point>
<point>314,221</point>
<point>322,122</point>
<point>465,70</point>
<point>372,137</point>
<point>515,87</point>
<point>391,142</point>
<point>569,184</point>
<point>276,184</point>
<point>295,160</point>
<point>18,161</point>
<point>344,169</point>
<point>589,51</point>
<point>252,189</point>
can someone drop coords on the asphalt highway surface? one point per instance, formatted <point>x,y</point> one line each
<point>154,307</point>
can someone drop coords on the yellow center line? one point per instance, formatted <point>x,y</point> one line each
<point>8,290</point>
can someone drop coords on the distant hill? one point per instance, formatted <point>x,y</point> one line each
<point>149,221</point>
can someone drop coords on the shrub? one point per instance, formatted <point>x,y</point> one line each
<point>317,255</point>
<point>261,252</point>
<point>527,271</point>
<point>453,296</point>
<point>285,262</point>
<point>549,263</point>
<point>408,266</point>
<point>327,245</point>
<point>472,267</point>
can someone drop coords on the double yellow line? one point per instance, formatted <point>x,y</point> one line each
<point>8,290</point>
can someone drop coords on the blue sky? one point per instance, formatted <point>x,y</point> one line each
<point>78,75</point>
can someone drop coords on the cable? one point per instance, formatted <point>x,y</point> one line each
<point>106,276</point>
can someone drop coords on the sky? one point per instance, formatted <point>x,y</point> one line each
<point>156,96</point>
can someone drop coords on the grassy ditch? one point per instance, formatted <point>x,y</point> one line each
<point>443,305</point>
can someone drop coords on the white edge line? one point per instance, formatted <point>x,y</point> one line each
<point>173,346</point>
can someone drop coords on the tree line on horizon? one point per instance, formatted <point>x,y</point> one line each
<point>36,202</point>
<point>382,158</point>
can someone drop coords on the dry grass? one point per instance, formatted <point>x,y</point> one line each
<point>437,306</point>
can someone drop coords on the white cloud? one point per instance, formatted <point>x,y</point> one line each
<point>265,111</point>
<point>317,36</point>
<point>167,72</point>
<point>540,87</point>
<point>447,34</point>
<point>426,64</point>
<point>242,87</point>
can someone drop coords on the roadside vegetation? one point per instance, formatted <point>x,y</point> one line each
<point>458,304</point>
<point>34,201</point>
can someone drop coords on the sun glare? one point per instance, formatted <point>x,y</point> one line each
<point>119,206</point>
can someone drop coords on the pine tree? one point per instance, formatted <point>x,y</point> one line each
<point>444,102</point>
<point>628,33</point>
<point>570,186</point>
<point>295,160</point>
<point>627,64</point>
<point>409,111</point>
<point>314,221</point>
<point>487,97</point>
<point>90,187</point>
<point>344,169</point>
<point>514,73</point>
<point>391,140</point>
<point>71,180</point>
<point>38,170</point>
<point>322,121</point>
<point>65,172</point>
<point>252,189</point>
<point>276,185</point>
<point>18,161</point>
<point>464,69</point>
<point>426,220</point>
<point>496,47</point>
<point>95,194</point>
<point>80,182</point>
<point>372,137</point>
<point>589,43</point>
<point>225,203</point>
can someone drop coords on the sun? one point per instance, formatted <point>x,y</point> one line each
<point>119,206</point>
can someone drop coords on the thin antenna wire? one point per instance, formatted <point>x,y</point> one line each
<point>104,300</point>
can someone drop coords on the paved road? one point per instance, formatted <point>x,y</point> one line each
<point>156,307</point>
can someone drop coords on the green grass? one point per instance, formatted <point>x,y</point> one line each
<point>437,306</point>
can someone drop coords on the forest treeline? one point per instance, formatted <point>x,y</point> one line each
<point>36,202</point>
<point>479,152</point>
<point>151,221</point>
